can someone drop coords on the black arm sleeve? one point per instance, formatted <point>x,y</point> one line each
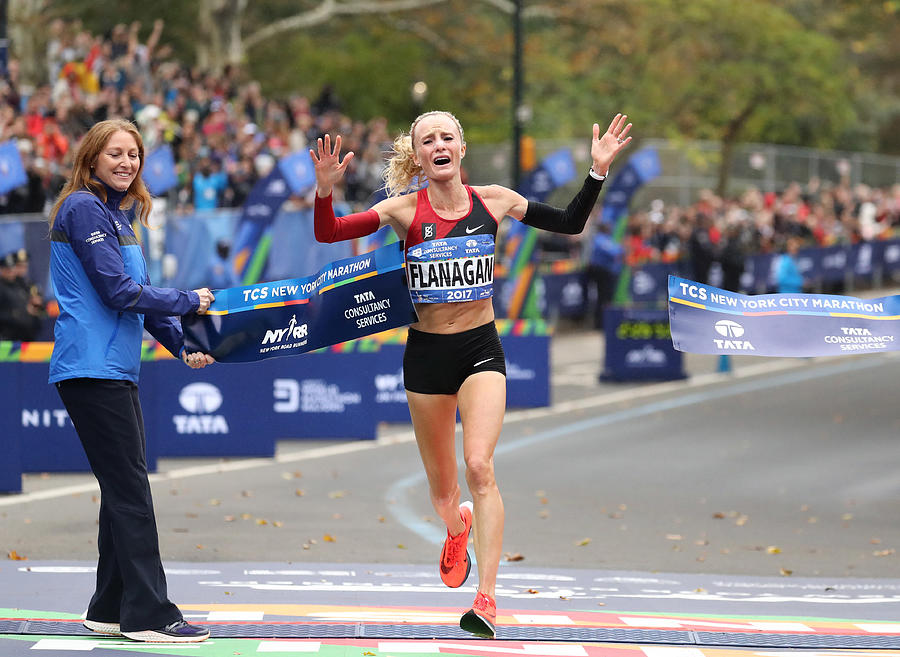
<point>570,221</point>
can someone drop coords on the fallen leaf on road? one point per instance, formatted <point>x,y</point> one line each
<point>787,572</point>
<point>583,542</point>
<point>328,538</point>
<point>513,556</point>
<point>772,549</point>
<point>15,556</point>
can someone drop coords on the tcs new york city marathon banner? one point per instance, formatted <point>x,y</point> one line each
<point>345,300</point>
<point>707,320</point>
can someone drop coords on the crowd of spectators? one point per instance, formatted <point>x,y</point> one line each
<point>224,133</point>
<point>715,228</point>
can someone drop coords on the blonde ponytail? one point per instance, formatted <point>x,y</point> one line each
<point>401,168</point>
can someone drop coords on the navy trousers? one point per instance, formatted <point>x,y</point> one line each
<point>131,584</point>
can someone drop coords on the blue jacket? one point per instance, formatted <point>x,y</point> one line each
<point>104,294</point>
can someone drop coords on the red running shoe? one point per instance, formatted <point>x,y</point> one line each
<point>455,562</point>
<point>481,618</point>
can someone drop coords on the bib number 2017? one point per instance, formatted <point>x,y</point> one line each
<point>459,295</point>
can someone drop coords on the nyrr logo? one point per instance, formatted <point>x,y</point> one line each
<point>292,332</point>
<point>730,329</point>
<point>201,400</point>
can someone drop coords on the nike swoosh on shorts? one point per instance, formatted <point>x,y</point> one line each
<point>482,362</point>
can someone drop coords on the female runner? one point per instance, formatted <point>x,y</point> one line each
<point>454,359</point>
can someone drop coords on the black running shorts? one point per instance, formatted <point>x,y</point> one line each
<point>438,363</point>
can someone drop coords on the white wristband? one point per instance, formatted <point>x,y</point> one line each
<point>596,176</point>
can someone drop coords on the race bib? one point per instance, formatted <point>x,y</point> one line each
<point>451,270</point>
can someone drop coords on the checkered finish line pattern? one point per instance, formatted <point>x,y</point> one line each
<point>284,630</point>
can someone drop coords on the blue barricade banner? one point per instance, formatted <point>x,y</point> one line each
<point>638,346</point>
<point>216,411</point>
<point>10,410</point>
<point>330,396</point>
<point>347,299</point>
<point>707,320</point>
<point>44,437</point>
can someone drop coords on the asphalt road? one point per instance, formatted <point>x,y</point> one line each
<point>784,466</point>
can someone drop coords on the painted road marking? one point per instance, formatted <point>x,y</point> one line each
<point>660,651</point>
<point>236,615</point>
<point>879,628</point>
<point>672,623</point>
<point>543,619</point>
<point>289,646</point>
<point>552,650</point>
<point>87,645</point>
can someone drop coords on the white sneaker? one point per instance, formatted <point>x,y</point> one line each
<point>111,629</point>
<point>178,632</point>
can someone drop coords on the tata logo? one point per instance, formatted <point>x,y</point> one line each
<point>471,243</point>
<point>731,330</point>
<point>201,400</point>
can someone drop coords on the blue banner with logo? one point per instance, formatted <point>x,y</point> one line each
<point>12,173</point>
<point>159,171</point>
<point>707,320</point>
<point>345,300</point>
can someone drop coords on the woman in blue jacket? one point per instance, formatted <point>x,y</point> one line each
<point>105,303</point>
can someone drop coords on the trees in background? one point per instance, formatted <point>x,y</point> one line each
<point>818,73</point>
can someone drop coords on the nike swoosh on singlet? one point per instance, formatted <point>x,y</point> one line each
<point>469,231</point>
<point>482,362</point>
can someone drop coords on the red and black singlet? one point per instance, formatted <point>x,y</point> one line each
<point>428,225</point>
